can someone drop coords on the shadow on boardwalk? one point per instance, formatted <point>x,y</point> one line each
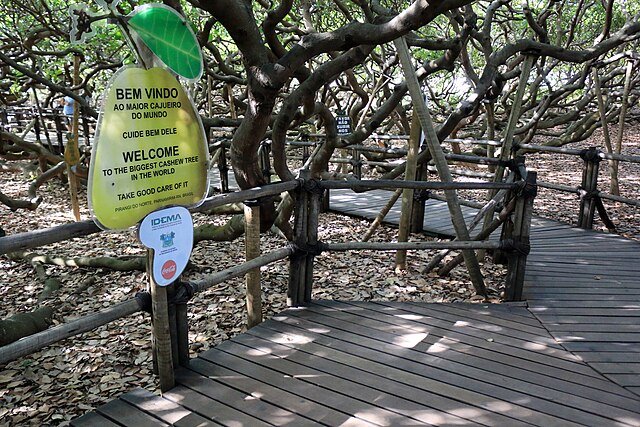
<point>568,356</point>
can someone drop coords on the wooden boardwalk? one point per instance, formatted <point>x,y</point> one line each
<point>582,285</point>
<point>569,356</point>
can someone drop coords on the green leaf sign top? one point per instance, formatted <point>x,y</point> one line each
<point>169,37</point>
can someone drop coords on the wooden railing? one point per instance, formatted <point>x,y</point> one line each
<point>301,253</point>
<point>47,126</point>
<point>590,196</point>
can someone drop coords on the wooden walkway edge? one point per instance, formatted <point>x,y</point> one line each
<point>569,356</point>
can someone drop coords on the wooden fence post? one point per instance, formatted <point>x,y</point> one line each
<point>589,187</point>
<point>224,170</point>
<point>517,258</point>
<point>265,161</point>
<point>444,173</point>
<point>183,292</point>
<point>356,162</point>
<point>305,154</point>
<point>313,216</point>
<point>297,261</point>
<point>419,201</point>
<point>410,172</point>
<point>252,250</point>
<point>173,325</point>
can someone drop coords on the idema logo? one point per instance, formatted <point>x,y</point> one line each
<point>168,269</point>
<point>166,219</point>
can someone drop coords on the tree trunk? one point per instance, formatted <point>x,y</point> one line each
<point>613,173</point>
<point>407,193</point>
<point>24,324</point>
<point>252,278</point>
<point>623,116</point>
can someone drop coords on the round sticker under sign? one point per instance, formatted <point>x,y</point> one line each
<point>150,150</point>
<point>169,234</point>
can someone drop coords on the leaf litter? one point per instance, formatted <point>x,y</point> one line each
<point>65,380</point>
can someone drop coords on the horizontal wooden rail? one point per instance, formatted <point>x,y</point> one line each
<point>249,194</point>
<point>240,270</point>
<point>406,138</point>
<point>574,152</point>
<point>34,239</point>
<point>576,190</point>
<point>395,246</point>
<point>418,185</point>
<point>35,342</point>
<point>613,198</point>
<point>59,233</point>
<point>558,187</point>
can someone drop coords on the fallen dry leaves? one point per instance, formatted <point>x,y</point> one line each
<point>65,380</point>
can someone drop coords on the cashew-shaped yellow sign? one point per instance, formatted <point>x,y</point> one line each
<point>150,149</point>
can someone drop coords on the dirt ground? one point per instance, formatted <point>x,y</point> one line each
<point>67,379</point>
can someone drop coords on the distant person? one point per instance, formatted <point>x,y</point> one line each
<point>67,109</point>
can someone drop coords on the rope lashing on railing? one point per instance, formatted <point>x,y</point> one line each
<point>421,195</point>
<point>144,301</point>
<point>526,189</point>
<point>521,247</point>
<point>515,165</point>
<point>184,291</point>
<point>590,155</point>
<point>307,249</point>
<point>312,185</point>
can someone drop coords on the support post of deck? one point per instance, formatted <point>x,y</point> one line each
<point>356,162</point>
<point>265,161</point>
<point>173,325</point>
<point>161,342</point>
<point>252,250</point>
<point>182,329</point>
<point>315,203</point>
<point>517,257</point>
<point>419,201</point>
<point>297,261</point>
<point>224,170</point>
<point>588,187</point>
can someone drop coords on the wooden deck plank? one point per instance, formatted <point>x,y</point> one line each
<point>470,363</point>
<point>93,419</point>
<point>592,327</point>
<point>593,303</point>
<point>229,403</point>
<point>573,319</point>
<point>539,353</point>
<point>337,367</point>
<point>289,376</point>
<point>633,347</point>
<point>574,311</point>
<point>519,390</point>
<point>516,368</point>
<point>406,385</point>
<point>164,409</point>
<point>388,366</point>
<point>449,317</point>
<point>128,415</point>
<point>618,368</point>
<point>211,376</point>
<point>505,316</point>
<point>606,356</point>
<point>626,379</point>
<point>550,295</point>
<point>580,273</point>
<point>289,391</point>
